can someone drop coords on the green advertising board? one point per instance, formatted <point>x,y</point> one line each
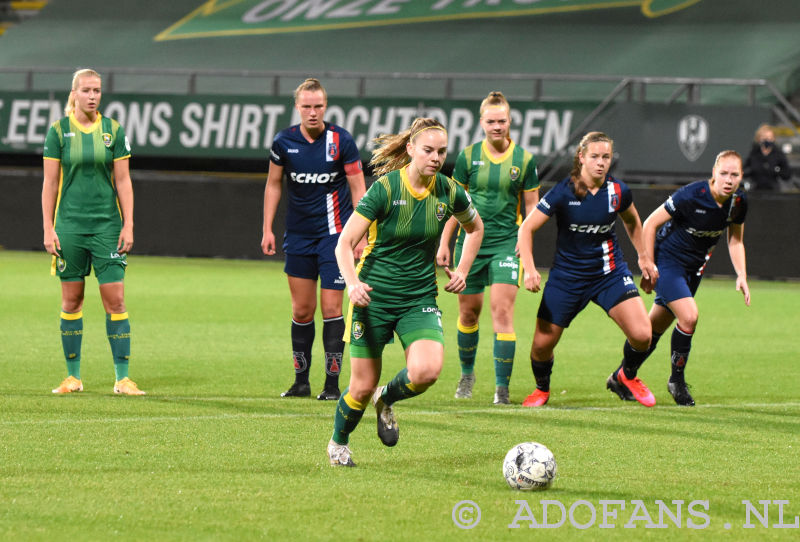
<point>244,126</point>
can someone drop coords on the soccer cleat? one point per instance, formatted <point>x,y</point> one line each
<point>69,385</point>
<point>126,386</point>
<point>388,431</point>
<point>465,384</point>
<point>638,388</point>
<point>537,398</point>
<point>613,384</point>
<point>501,396</point>
<point>329,393</point>
<point>339,455</point>
<point>680,392</point>
<point>298,390</point>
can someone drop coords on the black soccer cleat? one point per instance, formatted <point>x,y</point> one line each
<point>298,389</point>
<point>388,431</point>
<point>680,392</point>
<point>329,393</point>
<point>614,385</point>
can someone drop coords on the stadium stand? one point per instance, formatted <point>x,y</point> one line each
<point>615,67</point>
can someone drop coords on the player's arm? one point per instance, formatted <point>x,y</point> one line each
<point>527,229</point>
<point>443,254</point>
<point>647,258</point>
<point>472,243</point>
<point>633,226</point>
<point>354,230</point>
<point>355,180</point>
<point>531,198</point>
<point>52,169</point>
<point>122,178</point>
<point>736,251</point>
<point>272,195</point>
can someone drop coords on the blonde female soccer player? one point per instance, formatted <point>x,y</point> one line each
<point>394,289</point>
<point>87,215</point>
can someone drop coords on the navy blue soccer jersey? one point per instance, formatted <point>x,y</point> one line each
<point>697,224</point>
<point>319,200</point>
<point>587,246</point>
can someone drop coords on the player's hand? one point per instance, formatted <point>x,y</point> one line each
<point>457,281</point>
<point>359,294</point>
<point>533,280</point>
<point>268,244</point>
<point>741,286</point>
<point>125,241</point>
<point>443,256</point>
<point>51,242</point>
<point>649,275</point>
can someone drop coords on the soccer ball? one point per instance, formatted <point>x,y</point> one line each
<point>529,466</point>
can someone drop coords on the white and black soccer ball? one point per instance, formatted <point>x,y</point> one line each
<point>529,466</point>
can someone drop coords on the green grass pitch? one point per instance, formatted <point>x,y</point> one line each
<point>213,453</point>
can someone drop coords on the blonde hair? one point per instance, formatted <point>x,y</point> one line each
<point>760,132</point>
<point>494,99</point>
<point>84,72</point>
<point>390,149</point>
<point>726,154</point>
<point>310,85</point>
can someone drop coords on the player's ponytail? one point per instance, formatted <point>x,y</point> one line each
<point>494,99</point>
<point>390,149</point>
<point>85,72</point>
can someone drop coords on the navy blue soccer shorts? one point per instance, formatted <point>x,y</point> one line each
<point>564,297</point>
<point>312,259</point>
<point>675,282</point>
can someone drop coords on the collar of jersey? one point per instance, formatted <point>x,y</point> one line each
<point>502,157</point>
<point>417,195</point>
<point>83,128</point>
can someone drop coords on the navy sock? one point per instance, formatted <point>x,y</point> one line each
<point>302,341</point>
<point>632,359</point>
<point>681,345</point>
<point>541,373</point>
<point>332,334</point>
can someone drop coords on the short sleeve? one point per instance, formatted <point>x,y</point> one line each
<point>122,147</point>
<point>373,205</point>
<point>461,172</point>
<point>626,199</point>
<point>52,143</point>
<point>548,203</point>
<point>276,154</point>
<point>350,153</point>
<point>531,179</point>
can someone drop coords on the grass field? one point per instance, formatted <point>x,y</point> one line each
<point>212,452</point>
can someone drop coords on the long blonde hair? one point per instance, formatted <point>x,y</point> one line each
<point>390,149</point>
<point>84,72</point>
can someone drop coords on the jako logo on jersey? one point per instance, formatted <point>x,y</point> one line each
<point>399,202</point>
<point>700,233</point>
<point>477,162</point>
<point>591,228</point>
<point>358,330</point>
<point>311,178</point>
<point>69,134</point>
<point>692,136</point>
<point>513,173</point>
<point>292,151</point>
<point>441,209</point>
<point>107,140</point>
<point>574,202</point>
<point>331,146</point>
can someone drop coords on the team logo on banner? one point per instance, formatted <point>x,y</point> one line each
<point>441,209</point>
<point>107,140</point>
<point>514,173</point>
<point>692,136</point>
<point>358,330</point>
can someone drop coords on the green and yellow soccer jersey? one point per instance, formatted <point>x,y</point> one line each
<point>496,186</point>
<point>87,196</point>
<point>399,260</point>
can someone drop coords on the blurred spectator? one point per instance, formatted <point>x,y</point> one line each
<point>766,163</point>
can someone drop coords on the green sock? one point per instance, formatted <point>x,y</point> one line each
<point>118,328</point>
<point>505,344</point>
<point>348,414</point>
<point>400,387</point>
<point>467,347</point>
<point>71,336</point>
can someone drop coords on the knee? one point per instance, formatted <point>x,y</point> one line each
<point>361,391</point>
<point>425,376</point>
<point>71,305</point>
<point>688,322</point>
<point>303,312</point>
<point>640,338</point>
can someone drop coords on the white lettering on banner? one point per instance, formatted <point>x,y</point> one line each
<point>191,115</point>
<point>144,123</point>
<point>214,125</point>
<point>272,113</point>
<point>233,126</point>
<point>257,15</point>
<point>459,128</point>
<point>29,120</point>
